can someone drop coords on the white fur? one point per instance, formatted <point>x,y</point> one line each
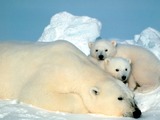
<point>118,67</point>
<point>59,77</point>
<point>145,74</point>
<point>101,48</point>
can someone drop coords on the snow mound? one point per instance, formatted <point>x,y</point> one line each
<point>148,101</point>
<point>149,38</point>
<point>76,29</point>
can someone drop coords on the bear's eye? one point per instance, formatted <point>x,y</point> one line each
<point>106,50</point>
<point>120,98</point>
<point>95,92</point>
<point>126,69</point>
<point>96,50</point>
<point>117,70</point>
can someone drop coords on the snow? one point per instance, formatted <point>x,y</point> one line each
<point>76,29</point>
<point>149,38</point>
<point>79,30</point>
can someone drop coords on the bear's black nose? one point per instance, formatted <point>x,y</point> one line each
<point>137,113</point>
<point>124,77</point>
<point>101,57</point>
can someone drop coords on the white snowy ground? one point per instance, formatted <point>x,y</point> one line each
<point>79,30</point>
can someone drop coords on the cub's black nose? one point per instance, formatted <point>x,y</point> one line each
<point>101,57</point>
<point>137,113</point>
<point>124,77</point>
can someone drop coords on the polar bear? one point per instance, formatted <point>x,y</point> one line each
<point>118,67</point>
<point>57,76</point>
<point>101,49</point>
<point>145,75</point>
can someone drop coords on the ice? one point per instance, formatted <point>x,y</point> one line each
<point>149,38</point>
<point>148,101</point>
<point>76,29</point>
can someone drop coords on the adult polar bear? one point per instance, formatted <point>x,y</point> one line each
<point>58,76</point>
<point>145,75</point>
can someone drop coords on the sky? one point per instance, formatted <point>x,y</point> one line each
<point>26,19</point>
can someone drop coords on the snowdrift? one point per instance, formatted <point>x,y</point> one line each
<point>79,30</point>
<point>75,29</point>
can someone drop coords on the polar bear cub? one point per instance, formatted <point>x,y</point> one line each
<point>101,49</point>
<point>145,75</point>
<point>118,67</point>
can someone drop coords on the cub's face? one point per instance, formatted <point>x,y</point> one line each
<point>119,68</point>
<point>102,49</point>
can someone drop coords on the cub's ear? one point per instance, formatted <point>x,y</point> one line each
<point>129,60</point>
<point>90,44</point>
<point>106,61</point>
<point>94,91</point>
<point>114,43</point>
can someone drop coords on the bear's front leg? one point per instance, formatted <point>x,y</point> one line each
<point>132,83</point>
<point>53,101</point>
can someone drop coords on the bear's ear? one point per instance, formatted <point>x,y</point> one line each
<point>129,60</point>
<point>90,44</point>
<point>95,91</point>
<point>106,61</point>
<point>114,43</point>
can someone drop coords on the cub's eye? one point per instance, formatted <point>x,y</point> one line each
<point>120,98</point>
<point>126,69</point>
<point>106,50</point>
<point>96,92</point>
<point>96,50</point>
<point>117,70</point>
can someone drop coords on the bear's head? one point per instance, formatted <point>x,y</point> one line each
<point>111,99</point>
<point>118,67</point>
<point>102,49</point>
